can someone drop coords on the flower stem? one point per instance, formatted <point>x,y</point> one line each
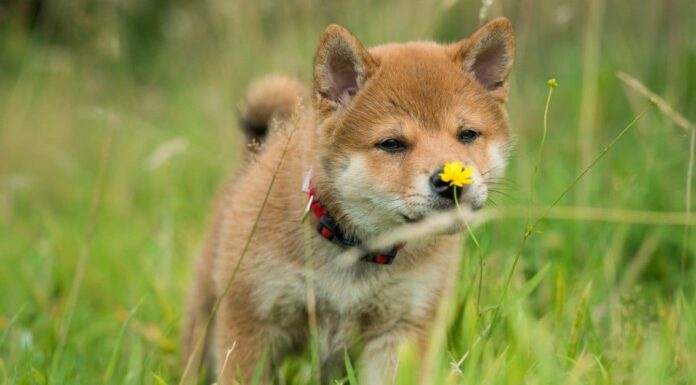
<point>530,229</point>
<point>478,251</point>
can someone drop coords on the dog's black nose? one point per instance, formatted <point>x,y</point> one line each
<point>442,188</point>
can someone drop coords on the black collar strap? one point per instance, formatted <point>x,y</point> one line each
<point>329,229</point>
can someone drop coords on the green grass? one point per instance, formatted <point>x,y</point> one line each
<point>107,89</point>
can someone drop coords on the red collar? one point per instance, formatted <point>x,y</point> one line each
<point>329,229</point>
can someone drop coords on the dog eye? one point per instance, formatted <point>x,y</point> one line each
<point>467,135</point>
<point>392,145</point>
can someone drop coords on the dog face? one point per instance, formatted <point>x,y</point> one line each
<point>390,117</point>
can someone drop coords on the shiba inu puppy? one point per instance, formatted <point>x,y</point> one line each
<point>368,141</point>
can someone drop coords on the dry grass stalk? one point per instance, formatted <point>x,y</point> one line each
<point>587,124</point>
<point>594,214</point>
<point>81,265</point>
<point>579,322</point>
<point>483,11</point>
<point>689,183</point>
<point>678,119</point>
<point>430,226</point>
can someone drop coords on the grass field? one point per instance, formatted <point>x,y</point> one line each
<point>118,124</point>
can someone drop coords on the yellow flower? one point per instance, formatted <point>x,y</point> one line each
<point>456,175</point>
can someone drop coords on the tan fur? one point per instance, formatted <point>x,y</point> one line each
<point>422,93</point>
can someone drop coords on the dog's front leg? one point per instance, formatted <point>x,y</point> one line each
<point>380,359</point>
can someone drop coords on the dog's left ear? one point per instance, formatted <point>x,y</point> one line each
<point>341,67</point>
<point>487,55</point>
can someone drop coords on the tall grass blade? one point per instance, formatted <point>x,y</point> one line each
<point>587,124</point>
<point>579,322</point>
<point>560,296</point>
<point>9,325</point>
<point>687,204</point>
<point>108,373</point>
<point>534,282</point>
<point>158,379</point>
<point>352,379</point>
<point>260,366</point>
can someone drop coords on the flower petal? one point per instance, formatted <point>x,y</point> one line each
<point>456,174</point>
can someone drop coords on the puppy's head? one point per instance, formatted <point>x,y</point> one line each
<point>391,116</point>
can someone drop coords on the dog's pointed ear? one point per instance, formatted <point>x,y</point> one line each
<point>487,55</point>
<point>341,67</point>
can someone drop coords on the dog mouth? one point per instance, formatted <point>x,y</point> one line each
<point>417,211</point>
<point>412,218</point>
<point>439,208</point>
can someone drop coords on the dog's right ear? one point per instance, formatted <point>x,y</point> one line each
<point>341,67</point>
<point>487,56</point>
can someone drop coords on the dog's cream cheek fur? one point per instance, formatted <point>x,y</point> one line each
<point>497,160</point>
<point>367,205</point>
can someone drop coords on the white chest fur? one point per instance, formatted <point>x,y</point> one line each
<point>343,298</point>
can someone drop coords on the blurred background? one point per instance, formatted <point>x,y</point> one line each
<point>118,124</point>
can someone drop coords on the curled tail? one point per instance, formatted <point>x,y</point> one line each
<point>273,98</point>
